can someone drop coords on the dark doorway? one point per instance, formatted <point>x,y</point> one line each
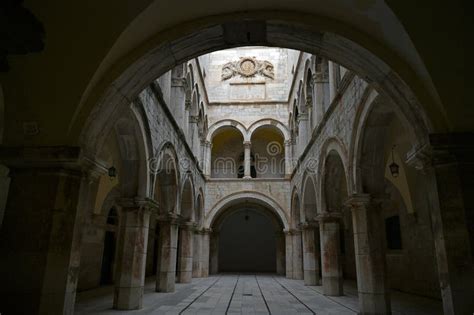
<point>106,273</point>
<point>108,255</point>
<point>247,243</point>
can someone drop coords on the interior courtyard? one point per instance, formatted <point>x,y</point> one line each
<point>315,159</point>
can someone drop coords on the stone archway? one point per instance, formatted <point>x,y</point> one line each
<point>247,237</point>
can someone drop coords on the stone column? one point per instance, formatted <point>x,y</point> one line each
<point>197,253</point>
<point>185,252</point>
<point>321,81</point>
<point>207,158</point>
<point>289,254</point>
<point>334,78</point>
<point>247,159</point>
<point>92,239</point>
<point>447,166</point>
<point>131,254</point>
<point>288,159</point>
<point>41,235</point>
<point>194,135</point>
<point>309,110</point>
<point>374,292</point>
<point>297,255</point>
<point>178,94</point>
<point>303,132</point>
<point>214,253</point>
<point>310,257</point>
<point>206,242</point>
<point>167,249</point>
<point>280,253</point>
<point>331,263</point>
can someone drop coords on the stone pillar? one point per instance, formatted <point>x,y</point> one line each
<point>92,240</point>
<point>207,158</point>
<point>185,252</point>
<point>247,159</point>
<point>303,132</point>
<point>131,254</point>
<point>288,158</point>
<point>214,253</point>
<point>331,255</point>
<point>206,242</point>
<point>197,253</point>
<point>280,253</point>
<point>41,235</point>
<point>447,166</point>
<point>185,126</point>
<point>194,135</point>
<point>178,94</point>
<point>167,249</point>
<point>4,186</point>
<point>289,254</point>
<point>334,78</point>
<point>310,257</point>
<point>374,292</point>
<point>321,81</point>
<point>297,255</point>
<point>309,110</point>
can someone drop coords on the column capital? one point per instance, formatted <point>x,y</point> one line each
<point>193,119</point>
<point>137,203</point>
<point>247,144</point>
<point>329,217</point>
<point>321,77</point>
<point>356,201</point>
<point>310,225</point>
<point>302,117</point>
<point>444,149</point>
<point>179,82</point>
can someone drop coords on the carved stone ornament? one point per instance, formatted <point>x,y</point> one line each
<point>248,67</point>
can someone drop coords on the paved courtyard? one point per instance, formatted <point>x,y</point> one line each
<point>248,294</point>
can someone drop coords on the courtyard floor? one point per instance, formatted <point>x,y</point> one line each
<point>248,294</point>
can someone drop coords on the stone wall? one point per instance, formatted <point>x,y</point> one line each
<point>218,190</point>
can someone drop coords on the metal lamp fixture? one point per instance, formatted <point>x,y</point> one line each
<point>112,172</point>
<point>394,167</point>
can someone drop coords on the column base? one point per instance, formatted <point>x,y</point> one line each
<point>128,298</point>
<point>310,277</point>
<point>185,276</point>
<point>372,304</point>
<point>165,282</point>
<point>332,286</point>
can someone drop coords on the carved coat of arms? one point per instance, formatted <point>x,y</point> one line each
<point>248,67</point>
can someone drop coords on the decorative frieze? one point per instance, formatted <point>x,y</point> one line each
<point>247,67</point>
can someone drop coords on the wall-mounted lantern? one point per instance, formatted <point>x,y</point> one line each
<point>394,167</point>
<point>112,173</point>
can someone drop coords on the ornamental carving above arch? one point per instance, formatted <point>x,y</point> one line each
<point>247,67</point>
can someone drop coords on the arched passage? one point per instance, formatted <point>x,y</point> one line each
<point>166,183</point>
<point>268,150</point>
<point>382,136</point>
<point>337,249</point>
<point>247,239</point>
<point>184,261</point>
<point>108,254</point>
<point>233,209</point>
<point>227,153</point>
<point>294,240</point>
